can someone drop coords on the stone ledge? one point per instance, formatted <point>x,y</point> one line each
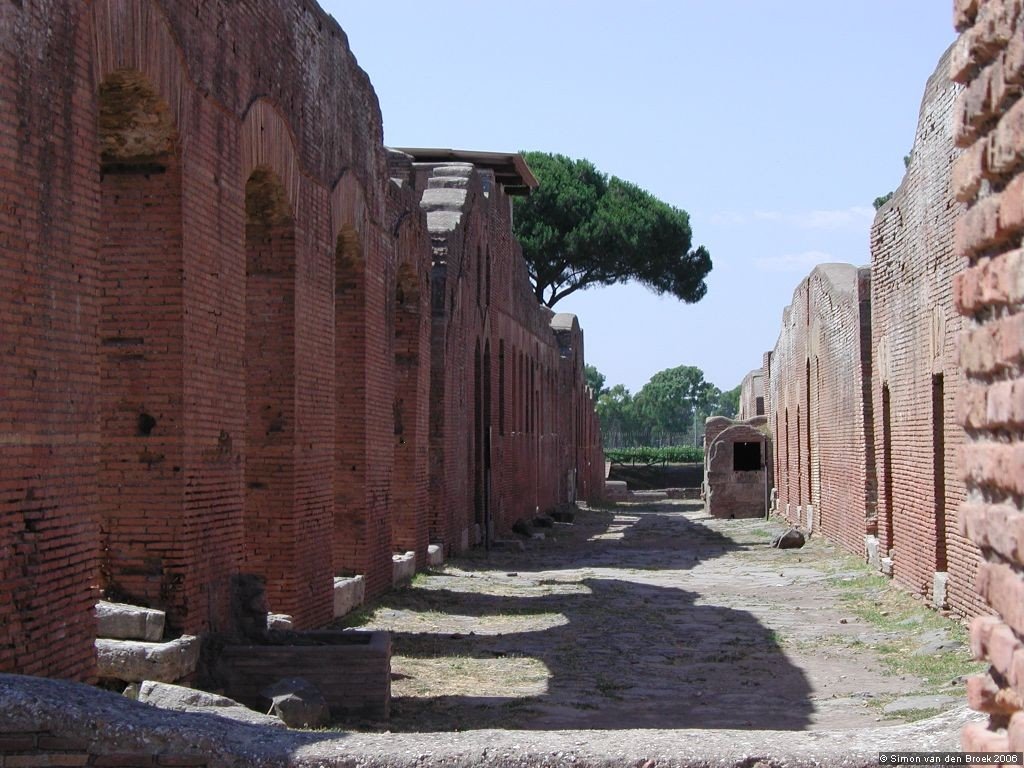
<point>112,724</point>
<point>134,661</point>
<point>349,593</point>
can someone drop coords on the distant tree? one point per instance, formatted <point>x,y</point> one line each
<point>729,403</point>
<point>580,228</point>
<point>616,411</point>
<point>668,401</point>
<point>595,380</point>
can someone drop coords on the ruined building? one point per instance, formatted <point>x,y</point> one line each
<point>231,343</point>
<point>820,415</point>
<point>863,382</point>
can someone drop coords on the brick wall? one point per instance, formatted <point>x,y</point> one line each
<point>217,338</point>
<point>817,394</point>
<point>508,404</point>
<point>752,400</point>
<point>988,177</point>
<point>916,372</point>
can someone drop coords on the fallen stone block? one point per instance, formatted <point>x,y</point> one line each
<point>403,568</point>
<point>435,555</point>
<point>349,593</point>
<point>791,539</point>
<point>180,699</point>
<point>134,661</point>
<point>279,621</point>
<point>298,703</point>
<point>616,490</point>
<point>120,621</point>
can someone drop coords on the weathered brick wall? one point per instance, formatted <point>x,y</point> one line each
<point>988,59</point>
<point>506,436</point>
<point>916,373</point>
<point>752,400</point>
<point>217,334</point>
<point>737,478</point>
<point>128,383</point>
<point>816,394</point>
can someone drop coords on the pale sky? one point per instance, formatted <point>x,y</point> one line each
<point>773,124</point>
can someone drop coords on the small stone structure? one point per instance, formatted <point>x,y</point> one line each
<point>736,467</point>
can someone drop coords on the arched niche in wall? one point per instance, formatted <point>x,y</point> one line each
<point>270,255</point>
<point>141,327</point>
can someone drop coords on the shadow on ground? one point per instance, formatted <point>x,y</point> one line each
<point>592,630</point>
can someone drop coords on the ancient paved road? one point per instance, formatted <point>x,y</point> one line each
<point>639,617</point>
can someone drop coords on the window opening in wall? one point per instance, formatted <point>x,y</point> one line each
<point>799,463</point>
<point>746,457</point>
<point>501,386</point>
<point>939,470</point>
<point>479,272</point>
<point>759,406</point>
<point>807,429</point>
<point>887,466</point>
<point>788,450</point>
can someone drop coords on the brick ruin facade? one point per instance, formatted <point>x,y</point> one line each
<point>819,406</point>
<point>988,178</point>
<point>752,395</point>
<point>218,339</point>
<point>737,467</point>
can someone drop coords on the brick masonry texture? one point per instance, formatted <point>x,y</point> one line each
<point>916,376</point>
<point>218,336</point>
<point>865,383</point>
<point>988,178</point>
<point>819,406</point>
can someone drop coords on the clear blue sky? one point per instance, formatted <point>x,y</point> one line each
<point>774,124</point>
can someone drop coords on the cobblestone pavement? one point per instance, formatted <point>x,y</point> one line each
<point>647,616</point>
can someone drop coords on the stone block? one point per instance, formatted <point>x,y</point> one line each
<point>616,490</point>
<point>134,660</point>
<point>180,699</point>
<point>279,621</point>
<point>435,555</point>
<point>403,568</point>
<point>119,621</point>
<point>349,593</point>
<point>871,551</point>
<point>298,702</point>
<point>939,583</point>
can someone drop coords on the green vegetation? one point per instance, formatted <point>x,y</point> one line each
<point>581,228</point>
<point>647,455</point>
<point>873,598</point>
<point>662,413</point>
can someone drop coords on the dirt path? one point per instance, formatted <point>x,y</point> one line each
<point>656,616</point>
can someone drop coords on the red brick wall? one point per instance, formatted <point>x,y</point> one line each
<point>988,59</point>
<point>527,389</point>
<point>49,347</point>
<point>816,395</point>
<point>752,399</point>
<point>189,393</point>
<point>915,329</point>
<point>129,299</point>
